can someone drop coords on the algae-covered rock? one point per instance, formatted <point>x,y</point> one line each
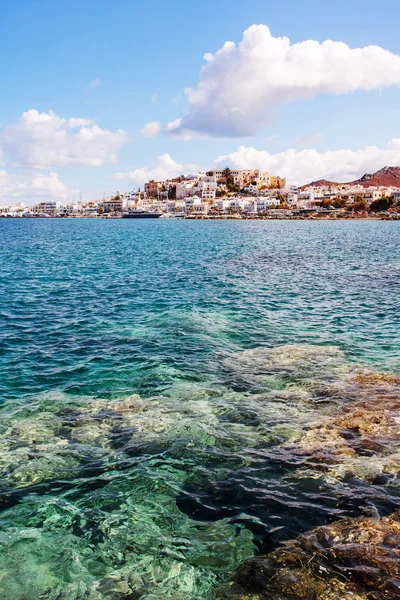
<point>293,364</point>
<point>348,560</point>
<point>362,438</point>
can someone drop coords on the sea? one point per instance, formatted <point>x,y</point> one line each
<point>162,382</point>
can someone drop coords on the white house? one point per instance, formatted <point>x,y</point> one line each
<point>49,207</point>
<point>195,205</point>
<point>253,189</point>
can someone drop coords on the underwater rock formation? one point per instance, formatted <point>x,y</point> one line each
<point>56,436</point>
<point>353,559</point>
<point>156,498</point>
<point>342,461</point>
<point>292,365</point>
<point>362,440</point>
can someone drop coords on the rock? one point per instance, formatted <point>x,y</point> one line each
<point>114,587</point>
<point>362,439</point>
<point>352,559</point>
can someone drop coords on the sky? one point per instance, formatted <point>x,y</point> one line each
<point>100,96</point>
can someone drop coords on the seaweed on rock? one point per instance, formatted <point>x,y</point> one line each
<point>352,559</point>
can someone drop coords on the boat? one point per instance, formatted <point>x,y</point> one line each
<point>142,214</point>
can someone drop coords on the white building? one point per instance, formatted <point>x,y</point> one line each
<point>196,205</point>
<point>263,204</point>
<point>253,189</point>
<point>203,186</point>
<point>185,189</point>
<point>245,177</point>
<point>208,189</point>
<point>308,198</point>
<point>116,204</point>
<point>49,207</point>
<point>371,194</point>
<point>222,204</point>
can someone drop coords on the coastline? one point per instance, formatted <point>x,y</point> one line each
<point>233,217</point>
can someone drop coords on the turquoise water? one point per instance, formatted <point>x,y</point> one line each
<point>152,377</point>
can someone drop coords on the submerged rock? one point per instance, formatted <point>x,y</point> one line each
<point>162,497</point>
<point>362,440</point>
<point>304,365</point>
<point>353,559</point>
<point>47,437</point>
<point>333,461</point>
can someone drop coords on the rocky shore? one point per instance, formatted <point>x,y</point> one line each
<point>351,559</point>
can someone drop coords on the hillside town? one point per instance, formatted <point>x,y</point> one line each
<point>226,193</point>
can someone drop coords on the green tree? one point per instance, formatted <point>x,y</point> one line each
<point>381,204</point>
<point>339,202</point>
<point>227,174</point>
<point>360,205</point>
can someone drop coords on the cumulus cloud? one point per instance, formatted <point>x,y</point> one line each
<point>76,122</point>
<point>309,139</point>
<point>151,129</point>
<point>45,140</point>
<point>394,144</point>
<point>32,189</point>
<point>176,129</point>
<point>163,168</point>
<point>302,166</point>
<point>241,87</point>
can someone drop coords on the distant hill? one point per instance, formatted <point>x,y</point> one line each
<point>320,183</point>
<point>386,177</point>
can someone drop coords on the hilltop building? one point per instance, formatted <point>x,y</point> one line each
<point>205,185</point>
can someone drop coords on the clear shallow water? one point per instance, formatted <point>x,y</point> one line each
<point>162,494</point>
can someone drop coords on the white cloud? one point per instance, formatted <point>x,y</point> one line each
<point>76,122</point>
<point>154,98</point>
<point>394,144</point>
<point>32,189</point>
<point>174,125</point>
<point>176,129</point>
<point>309,139</point>
<point>302,166</point>
<point>241,87</point>
<point>95,83</point>
<point>176,99</point>
<point>151,129</point>
<point>43,140</point>
<point>163,168</point>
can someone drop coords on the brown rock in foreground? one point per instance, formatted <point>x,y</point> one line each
<point>353,559</point>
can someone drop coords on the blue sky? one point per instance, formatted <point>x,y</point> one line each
<point>142,56</point>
